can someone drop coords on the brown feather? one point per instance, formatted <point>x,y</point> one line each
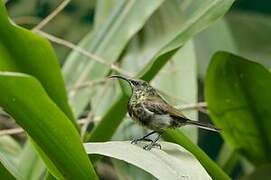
<point>159,103</point>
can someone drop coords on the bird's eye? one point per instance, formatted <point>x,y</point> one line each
<point>135,83</point>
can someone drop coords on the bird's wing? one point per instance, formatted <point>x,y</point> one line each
<point>159,106</point>
<point>155,105</point>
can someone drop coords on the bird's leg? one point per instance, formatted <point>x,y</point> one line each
<point>154,143</point>
<point>144,138</point>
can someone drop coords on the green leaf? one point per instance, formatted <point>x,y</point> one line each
<point>129,130</point>
<point>125,170</point>
<point>242,110</point>
<point>200,20</point>
<point>10,148</point>
<point>102,11</point>
<point>109,123</point>
<point>172,162</point>
<point>37,114</point>
<point>212,168</point>
<point>7,169</point>
<point>5,174</point>
<point>30,165</point>
<point>23,51</point>
<point>107,42</point>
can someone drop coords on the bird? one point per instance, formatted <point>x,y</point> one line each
<point>149,109</point>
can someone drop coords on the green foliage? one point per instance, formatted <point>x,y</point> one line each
<point>115,114</point>
<point>7,170</point>
<point>173,162</point>
<point>154,41</point>
<point>242,110</point>
<point>29,53</point>
<point>9,150</point>
<point>5,174</point>
<point>262,172</point>
<point>44,131</point>
<point>212,168</point>
<point>209,14</point>
<point>30,166</point>
<point>35,109</point>
<point>107,42</point>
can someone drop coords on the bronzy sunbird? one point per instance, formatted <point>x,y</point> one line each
<point>149,109</point>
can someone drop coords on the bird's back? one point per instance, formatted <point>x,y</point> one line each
<point>152,111</point>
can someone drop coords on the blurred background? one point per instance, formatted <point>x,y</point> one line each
<point>77,18</point>
<point>245,30</point>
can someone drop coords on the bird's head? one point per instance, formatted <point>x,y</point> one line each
<point>136,84</point>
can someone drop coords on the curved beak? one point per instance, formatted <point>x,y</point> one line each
<point>120,77</point>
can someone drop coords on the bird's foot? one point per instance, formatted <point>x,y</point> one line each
<point>151,145</point>
<point>148,146</point>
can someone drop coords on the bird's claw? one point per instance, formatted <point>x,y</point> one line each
<point>134,141</point>
<point>151,145</point>
<point>153,142</point>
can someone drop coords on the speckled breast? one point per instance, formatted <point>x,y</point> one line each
<point>138,113</point>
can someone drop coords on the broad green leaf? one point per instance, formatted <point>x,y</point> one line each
<point>172,162</point>
<point>125,170</point>
<point>129,130</point>
<point>242,110</point>
<point>211,167</point>
<point>107,42</point>
<point>48,176</point>
<point>37,114</point>
<point>23,51</point>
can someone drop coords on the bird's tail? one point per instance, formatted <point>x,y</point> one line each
<point>202,125</point>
